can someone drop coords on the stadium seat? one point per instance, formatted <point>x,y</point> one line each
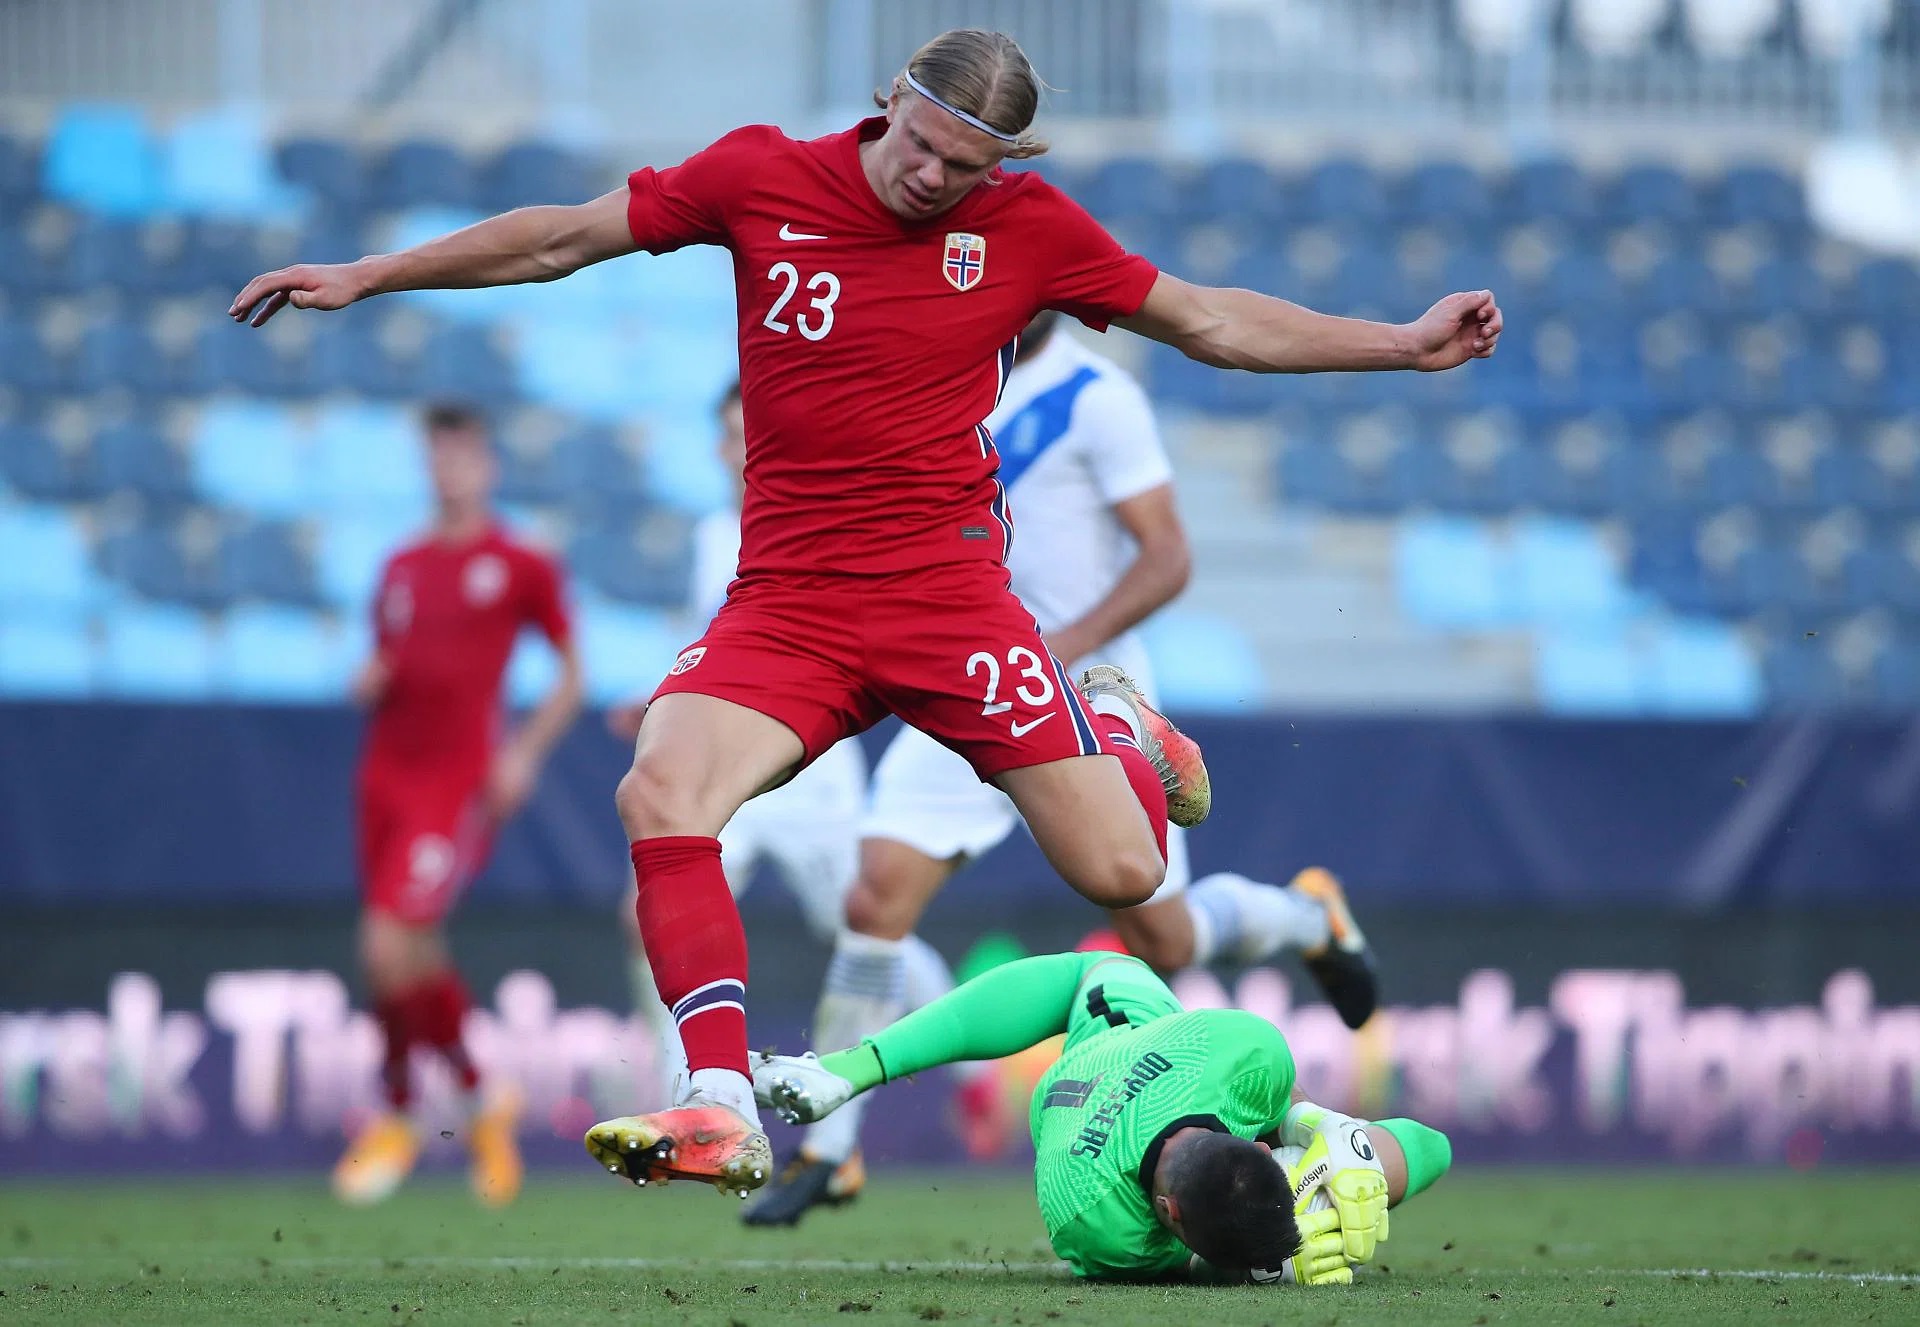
<point>1589,674</point>
<point>157,652</point>
<point>647,560</point>
<point>45,658</point>
<point>122,354</point>
<point>1551,189</point>
<point>351,551</point>
<point>248,455</point>
<point>43,559</point>
<point>1203,663</point>
<point>1447,194</point>
<point>345,355</point>
<point>1654,193</point>
<point>1887,290</point>
<point>229,357</point>
<point>1346,193</point>
<point>1896,678</point>
<point>421,173</point>
<point>1757,194</point>
<point>1730,29</point>
<point>624,652</point>
<point>1131,187</point>
<point>1237,190</point>
<point>1565,575</point>
<point>465,363</point>
<point>1702,669</point>
<point>266,560</point>
<point>46,468</point>
<point>19,174</point>
<point>217,163</point>
<point>25,361</point>
<point>1451,572</point>
<point>331,171</point>
<point>368,457</point>
<point>102,157</point>
<point>1616,28</point>
<point>527,174</point>
<point>1800,674</point>
<point>109,251</point>
<point>133,457</point>
<point>594,470</point>
<point>174,561</point>
<point>278,655</point>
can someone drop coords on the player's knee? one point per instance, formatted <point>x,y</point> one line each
<point>873,909</point>
<point>1123,879</point>
<point>651,802</point>
<point>1160,950</point>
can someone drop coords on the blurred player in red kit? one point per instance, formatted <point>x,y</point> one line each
<point>883,275</point>
<point>436,780</point>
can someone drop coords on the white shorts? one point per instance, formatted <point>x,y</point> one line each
<point>810,829</point>
<point>928,798</point>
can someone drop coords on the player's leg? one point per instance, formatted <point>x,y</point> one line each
<point>1002,1011</point>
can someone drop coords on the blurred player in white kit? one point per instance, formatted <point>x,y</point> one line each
<point>808,828</point>
<point>1098,548</point>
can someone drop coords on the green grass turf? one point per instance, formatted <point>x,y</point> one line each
<point>1486,1246</point>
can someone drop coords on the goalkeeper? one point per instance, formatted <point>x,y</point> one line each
<point>1156,1131</point>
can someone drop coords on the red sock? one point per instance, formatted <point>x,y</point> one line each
<point>1140,773</point>
<point>441,1003</point>
<point>692,934</point>
<point>396,1026</point>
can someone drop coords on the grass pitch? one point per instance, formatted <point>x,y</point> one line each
<point>1489,1246</point>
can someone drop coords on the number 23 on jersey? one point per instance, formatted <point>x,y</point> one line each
<point>816,319</point>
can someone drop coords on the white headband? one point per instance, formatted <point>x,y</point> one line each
<point>956,112</point>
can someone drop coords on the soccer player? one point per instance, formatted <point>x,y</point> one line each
<point>1151,1133</point>
<point>883,275</point>
<point>436,781</point>
<point>1101,548</point>
<point>809,827</point>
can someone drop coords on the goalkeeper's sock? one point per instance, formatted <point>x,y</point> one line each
<point>1002,1011</point>
<point>865,990</point>
<point>1428,1151</point>
<point>1245,920</point>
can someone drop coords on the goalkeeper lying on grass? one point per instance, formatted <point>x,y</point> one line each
<point>1155,1135</point>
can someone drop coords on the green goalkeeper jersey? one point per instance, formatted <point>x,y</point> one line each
<point>1136,1067</point>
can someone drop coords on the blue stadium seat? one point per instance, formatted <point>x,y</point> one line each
<point>527,174</point>
<point>330,170</point>
<point>43,468</point>
<point>465,363</point>
<point>1896,677</point>
<point>1203,664</point>
<point>278,655</point>
<point>45,658</point>
<point>1589,674</point>
<point>25,361</point>
<point>624,652</point>
<point>160,562</point>
<point>133,457</point>
<point>109,251</point>
<point>1759,194</point>
<point>248,455</point>
<point>528,474</point>
<point>1346,193</point>
<point>351,551</point>
<point>1680,282</point>
<point>19,175</point>
<point>1887,290</point>
<point>1702,669</point>
<point>156,652</point>
<point>1655,193</point>
<point>220,256</point>
<point>1583,282</point>
<point>102,157</point>
<point>217,163</point>
<point>421,173</point>
<point>1551,189</point>
<point>1800,674</point>
<point>1565,574</point>
<point>266,560</point>
<point>1446,194</point>
<point>593,468</point>
<point>345,356</point>
<point>43,559</point>
<point>1132,187</point>
<point>1790,283</point>
<point>367,457</point>
<point>648,560</point>
<point>1451,573</point>
<point>1887,571</point>
<point>227,356</point>
<point>1234,190</point>
<point>121,354</point>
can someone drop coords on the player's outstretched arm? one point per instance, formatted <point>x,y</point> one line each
<point>527,244</point>
<point>1242,329</point>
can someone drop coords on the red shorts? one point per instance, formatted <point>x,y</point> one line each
<point>422,841</point>
<point>951,650</point>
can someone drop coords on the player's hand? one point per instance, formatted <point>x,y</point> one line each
<point>623,721</point>
<point>1322,1260</point>
<point>1459,328</point>
<point>370,683</point>
<point>1360,1202</point>
<point>510,782</point>
<point>304,286</point>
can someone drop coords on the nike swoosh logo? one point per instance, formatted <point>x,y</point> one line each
<point>787,232</point>
<point>1022,729</point>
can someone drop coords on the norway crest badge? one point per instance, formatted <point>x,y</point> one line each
<point>965,261</point>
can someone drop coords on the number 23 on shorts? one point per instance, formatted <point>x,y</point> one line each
<point>1034,685</point>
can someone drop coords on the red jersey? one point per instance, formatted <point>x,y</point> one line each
<point>872,348</point>
<point>445,619</point>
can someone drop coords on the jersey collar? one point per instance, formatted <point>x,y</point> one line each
<point>1150,1162</point>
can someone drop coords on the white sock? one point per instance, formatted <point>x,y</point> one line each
<point>729,1087</point>
<point>670,1056</point>
<point>865,990</point>
<point>1245,920</point>
<point>927,975</point>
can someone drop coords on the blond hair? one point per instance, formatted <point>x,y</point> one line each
<point>985,74</point>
